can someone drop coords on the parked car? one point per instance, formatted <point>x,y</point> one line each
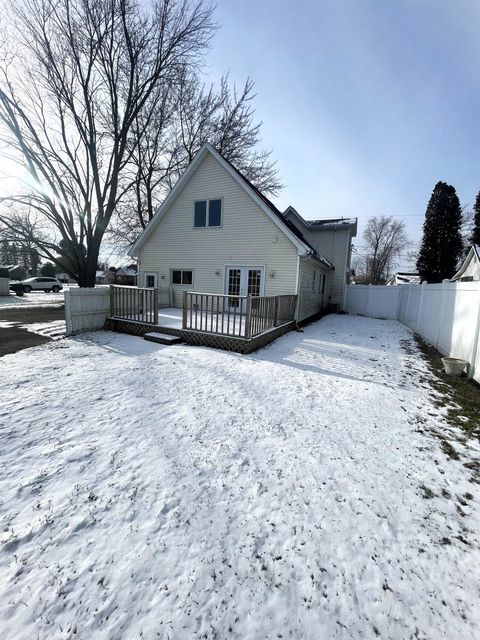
<point>17,287</point>
<point>41,284</point>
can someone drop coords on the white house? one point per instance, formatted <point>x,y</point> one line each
<point>470,269</point>
<point>216,233</point>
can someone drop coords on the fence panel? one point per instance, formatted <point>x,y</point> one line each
<point>447,315</point>
<point>86,309</point>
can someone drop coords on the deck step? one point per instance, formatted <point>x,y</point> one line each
<point>162,338</point>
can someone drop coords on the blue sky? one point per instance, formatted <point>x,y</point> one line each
<point>365,104</point>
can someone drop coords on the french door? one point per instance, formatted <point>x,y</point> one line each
<point>243,281</point>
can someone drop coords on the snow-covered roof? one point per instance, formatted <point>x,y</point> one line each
<point>473,254</point>
<point>405,278</point>
<point>126,271</point>
<point>10,267</point>
<point>323,224</point>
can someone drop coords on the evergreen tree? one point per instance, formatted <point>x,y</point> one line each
<point>476,221</point>
<point>48,270</point>
<point>442,241</point>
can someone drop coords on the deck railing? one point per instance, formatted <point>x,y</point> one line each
<point>134,303</point>
<point>236,316</point>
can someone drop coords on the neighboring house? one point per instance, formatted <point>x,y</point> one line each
<point>470,269</point>
<point>100,277</point>
<point>126,276</point>
<point>4,282</point>
<point>404,278</point>
<point>16,272</point>
<point>216,233</point>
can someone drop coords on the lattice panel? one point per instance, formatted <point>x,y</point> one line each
<point>225,343</point>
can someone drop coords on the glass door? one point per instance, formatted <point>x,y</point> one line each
<point>243,281</point>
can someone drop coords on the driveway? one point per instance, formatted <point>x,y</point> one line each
<point>22,327</point>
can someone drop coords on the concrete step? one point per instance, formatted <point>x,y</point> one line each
<point>162,338</point>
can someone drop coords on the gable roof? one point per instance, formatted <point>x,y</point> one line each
<point>473,254</point>
<point>288,228</point>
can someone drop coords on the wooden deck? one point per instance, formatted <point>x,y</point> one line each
<point>234,323</point>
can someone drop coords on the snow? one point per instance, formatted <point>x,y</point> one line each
<point>54,329</point>
<point>32,299</point>
<point>178,492</point>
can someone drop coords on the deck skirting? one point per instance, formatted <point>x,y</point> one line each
<point>197,338</point>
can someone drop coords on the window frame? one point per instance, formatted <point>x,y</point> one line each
<point>182,271</point>
<point>207,214</point>
<point>146,275</point>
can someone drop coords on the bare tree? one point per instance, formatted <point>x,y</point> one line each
<point>385,239</point>
<point>79,86</point>
<point>187,115</point>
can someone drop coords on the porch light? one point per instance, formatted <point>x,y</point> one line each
<point>217,272</point>
<point>271,274</point>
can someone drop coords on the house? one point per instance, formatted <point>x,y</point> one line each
<point>4,282</point>
<point>16,271</point>
<point>100,277</point>
<point>63,277</point>
<point>332,239</point>
<point>404,278</point>
<point>216,233</point>
<point>470,269</point>
<point>126,276</point>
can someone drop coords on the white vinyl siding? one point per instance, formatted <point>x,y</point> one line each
<point>310,299</point>
<point>247,237</point>
<point>335,246</point>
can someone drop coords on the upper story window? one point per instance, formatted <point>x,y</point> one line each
<point>208,213</point>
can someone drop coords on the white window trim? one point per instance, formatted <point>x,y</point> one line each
<point>150,273</point>
<point>207,226</point>
<point>262,268</point>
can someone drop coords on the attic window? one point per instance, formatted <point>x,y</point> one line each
<point>208,213</point>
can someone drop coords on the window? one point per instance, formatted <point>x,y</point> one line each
<point>201,213</point>
<point>208,213</point>
<point>314,281</point>
<point>150,280</point>
<point>180,276</point>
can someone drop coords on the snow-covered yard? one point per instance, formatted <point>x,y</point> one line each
<point>32,299</point>
<point>180,492</point>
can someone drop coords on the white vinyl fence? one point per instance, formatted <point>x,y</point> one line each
<point>86,309</point>
<point>446,315</point>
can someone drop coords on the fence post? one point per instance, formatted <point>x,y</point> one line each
<point>155,305</point>
<point>68,312</point>
<point>367,310</point>
<point>112,301</point>
<point>440,313</point>
<point>184,310</point>
<point>275,313</point>
<point>476,340</point>
<point>248,318</point>
<point>420,306</point>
